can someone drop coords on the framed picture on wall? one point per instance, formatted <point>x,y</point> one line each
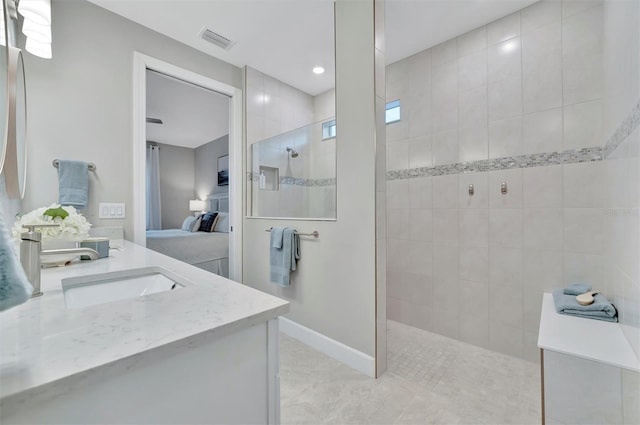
<point>223,170</point>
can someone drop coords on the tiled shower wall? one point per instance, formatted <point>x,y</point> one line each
<point>621,71</point>
<point>274,107</point>
<point>475,267</point>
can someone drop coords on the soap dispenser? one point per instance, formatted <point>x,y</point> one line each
<point>263,180</point>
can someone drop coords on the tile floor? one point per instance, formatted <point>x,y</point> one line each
<point>431,380</point>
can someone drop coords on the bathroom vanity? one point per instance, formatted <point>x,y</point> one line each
<point>198,349</point>
<point>590,373</point>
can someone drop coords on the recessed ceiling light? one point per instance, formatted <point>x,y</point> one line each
<point>318,70</point>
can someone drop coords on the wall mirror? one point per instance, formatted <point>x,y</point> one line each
<point>20,121</point>
<point>16,155</point>
<point>3,85</point>
<point>291,125</point>
<point>15,110</point>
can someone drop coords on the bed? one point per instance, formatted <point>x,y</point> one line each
<point>208,251</point>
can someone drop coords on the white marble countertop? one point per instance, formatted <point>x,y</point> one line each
<point>589,339</point>
<point>45,346</point>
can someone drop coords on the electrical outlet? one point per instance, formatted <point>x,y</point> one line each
<point>111,210</point>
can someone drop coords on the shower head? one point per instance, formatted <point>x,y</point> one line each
<point>293,152</point>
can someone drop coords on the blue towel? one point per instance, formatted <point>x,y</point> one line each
<point>577,289</point>
<point>276,237</point>
<point>601,309</point>
<point>73,182</point>
<point>284,252</point>
<point>14,287</point>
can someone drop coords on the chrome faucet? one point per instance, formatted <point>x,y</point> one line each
<point>31,250</point>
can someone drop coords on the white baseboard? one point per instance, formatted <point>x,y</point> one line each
<point>343,353</point>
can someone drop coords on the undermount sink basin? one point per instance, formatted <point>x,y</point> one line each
<point>85,291</point>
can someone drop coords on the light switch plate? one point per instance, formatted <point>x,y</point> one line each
<point>111,210</point>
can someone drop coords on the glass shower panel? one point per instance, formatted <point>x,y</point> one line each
<point>293,175</point>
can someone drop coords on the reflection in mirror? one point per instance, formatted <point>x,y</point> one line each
<point>294,174</point>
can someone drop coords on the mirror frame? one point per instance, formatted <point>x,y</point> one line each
<point>12,170</point>
<point>3,134</point>
<point>14,182</point>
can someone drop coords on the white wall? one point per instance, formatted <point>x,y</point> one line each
<point>324,105</point>
<point>474,268</point>
<point>80,102</point>
<point>274,107</point>
<point>177,176</point>
<point>333,290</point>
<point>206,166</point>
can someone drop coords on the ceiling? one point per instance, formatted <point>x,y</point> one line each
<point>191,115</point>
<point>287,38</point>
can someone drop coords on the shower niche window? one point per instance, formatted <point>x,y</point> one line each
<point>293,175</point>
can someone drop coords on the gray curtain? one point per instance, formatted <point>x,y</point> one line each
<point>154,210</point>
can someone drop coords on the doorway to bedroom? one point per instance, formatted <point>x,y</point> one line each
<point>184,167</point>
<point>187,172</point>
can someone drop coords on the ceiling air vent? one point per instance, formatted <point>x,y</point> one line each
<point>216,39</point>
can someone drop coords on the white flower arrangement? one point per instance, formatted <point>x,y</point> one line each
<point>72,226</point>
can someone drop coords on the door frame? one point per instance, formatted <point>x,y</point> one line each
<point>141,63</point>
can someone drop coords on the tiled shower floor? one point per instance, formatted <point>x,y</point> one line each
<point>431,380</point>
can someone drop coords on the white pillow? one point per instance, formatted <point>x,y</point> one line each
<point>222,222</point>
<point>196,224</point>
<point>188,223</point>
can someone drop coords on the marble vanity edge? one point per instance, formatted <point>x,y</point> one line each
<point>60,386</point>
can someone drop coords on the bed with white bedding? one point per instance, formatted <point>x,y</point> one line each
<point>206,250</point>
<point>202,249</point>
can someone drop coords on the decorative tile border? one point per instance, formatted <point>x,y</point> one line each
<point>521,161</point>
<point>623,131</point>
<point>296,181</point>
<point>573,156</point>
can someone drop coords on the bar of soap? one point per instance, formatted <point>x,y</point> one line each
<point>98,244</point>
<point>586,299</point>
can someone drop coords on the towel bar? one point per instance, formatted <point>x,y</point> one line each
<point>315,233</point>
<point>92,166</point>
